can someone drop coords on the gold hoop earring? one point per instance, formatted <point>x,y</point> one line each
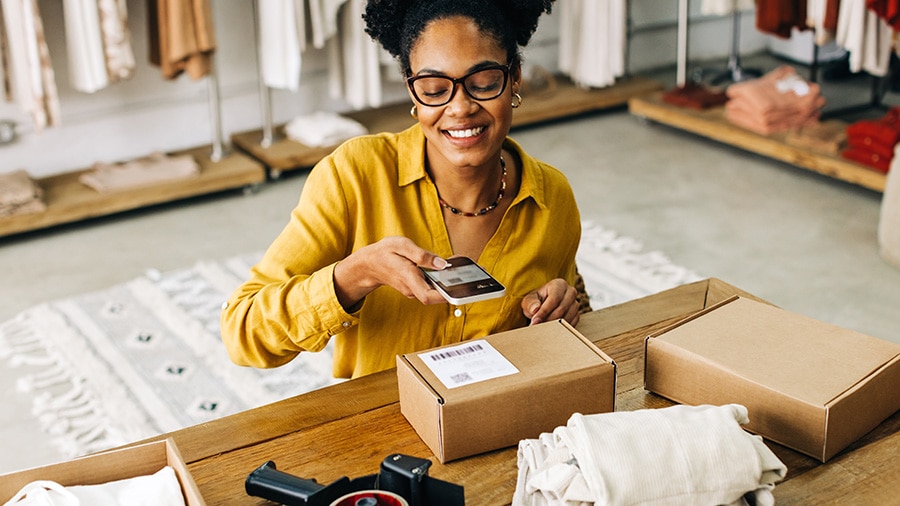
<point>414,112</point>
<point>517,101</point>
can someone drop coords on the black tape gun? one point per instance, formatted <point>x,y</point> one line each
<point>401,481</point>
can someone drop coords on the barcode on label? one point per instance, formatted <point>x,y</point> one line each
<point>456,352</point>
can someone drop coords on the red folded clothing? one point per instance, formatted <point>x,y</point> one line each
<point>694,96</point>
<point>868,158</point>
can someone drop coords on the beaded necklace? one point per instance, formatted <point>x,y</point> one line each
<point>487,209</point>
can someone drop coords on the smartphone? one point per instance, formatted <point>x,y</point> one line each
<point>463,281</point>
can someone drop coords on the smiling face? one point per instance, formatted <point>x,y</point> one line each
<point>464,133</point>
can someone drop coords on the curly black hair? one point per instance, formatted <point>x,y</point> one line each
<point>397,24</point>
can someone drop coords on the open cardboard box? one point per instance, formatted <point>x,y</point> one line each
<point>808,385</point>
<point>560,372</point>
<point>109,466</point>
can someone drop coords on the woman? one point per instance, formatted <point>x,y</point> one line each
<point>372,213</point>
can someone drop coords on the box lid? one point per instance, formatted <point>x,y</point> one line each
<point>804,358</point>
<point>551,349</point>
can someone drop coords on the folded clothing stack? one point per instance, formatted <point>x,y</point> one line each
<point>153,169</point>
<point>19,194</point>
<point>677,455</point>
<point>871,142</point>
<point>694,96</point>
<point>323,129</point>
<point>779,101</point>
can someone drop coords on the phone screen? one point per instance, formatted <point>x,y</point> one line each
<point>464,281</point>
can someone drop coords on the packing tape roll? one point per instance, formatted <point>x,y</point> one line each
<point>370,498</point>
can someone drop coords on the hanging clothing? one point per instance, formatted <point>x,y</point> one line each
<point>889,216</point>
<point>780,17</point>
<point>84,44</point>
<point>822,19</point>
<point>32,82</point>
<point>889,10</point>
<point>117,50</point>
<point>354,60</point>
<point>281,42</point>
<point>867,37</point>
<point>592,41</point>
<point>182,38</point>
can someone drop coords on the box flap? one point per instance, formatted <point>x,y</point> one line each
<point>119,464</point>
<point>799,356</point>
<point>550,344</point>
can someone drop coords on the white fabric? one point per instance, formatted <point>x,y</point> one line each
<point>889,221</point>
<point>323,129</point>
<point>84,43</point>
<point>678,455</point>
<point>867,37</point>
<point>159,489</point>
<point>280,43</point>
<point>592,41</point>
<point>32,79</point>
<point>815,19</point>
<point>355,61</point>
<point>725,7</point>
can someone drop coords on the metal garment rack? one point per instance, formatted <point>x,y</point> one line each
<point>265,93</point>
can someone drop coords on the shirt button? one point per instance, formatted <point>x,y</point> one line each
<point>345,324</point>
<point>225,305</point>
<point>457,313</point>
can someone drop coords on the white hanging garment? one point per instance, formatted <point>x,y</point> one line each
<point>29,70</point>
<point>889,216</point>
<point>84,44</point>
<point>355,61</point>
<point>867,37</point>
<point>725,7</point>
<point>592,41</point>
<point>280,44</point>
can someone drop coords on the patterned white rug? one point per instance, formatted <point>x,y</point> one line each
<point>145,357</point>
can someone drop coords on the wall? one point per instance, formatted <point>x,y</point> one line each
<point>147,113</point>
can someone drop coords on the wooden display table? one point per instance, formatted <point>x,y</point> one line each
<point>347,429</point>
<point>711,123</point>
<point>564,100</point>
<point>68,200</point>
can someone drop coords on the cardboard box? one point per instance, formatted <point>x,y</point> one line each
<point>560,372</point>
<point>807,385</point>
<point>109,466</point>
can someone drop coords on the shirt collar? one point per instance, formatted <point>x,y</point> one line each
<point>411,165</point>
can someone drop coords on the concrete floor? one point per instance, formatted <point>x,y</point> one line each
<point>803,241</point>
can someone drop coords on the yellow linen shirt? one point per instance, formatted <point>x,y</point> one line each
<point>369,188</point>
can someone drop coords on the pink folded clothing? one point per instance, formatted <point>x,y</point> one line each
<point>779,101</point>
<point>153,169</point>
<point>19,194</point>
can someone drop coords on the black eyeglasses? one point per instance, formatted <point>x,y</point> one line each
<point>486,83</point>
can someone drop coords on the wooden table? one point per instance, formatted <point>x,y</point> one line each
<point>347,429</point>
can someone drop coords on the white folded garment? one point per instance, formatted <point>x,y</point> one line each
<point>677,455</point>
<point>159,489</point>
<point>323,129</point>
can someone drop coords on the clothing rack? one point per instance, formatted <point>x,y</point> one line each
<point>876,98</point>
<point>280,154</point>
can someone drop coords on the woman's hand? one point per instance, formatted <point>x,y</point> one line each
<point>392,261</point>
<point>556,299</point>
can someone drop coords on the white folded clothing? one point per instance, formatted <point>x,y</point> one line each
<point>677,455</point>
<point>159,489</point>
<point>323,129</point>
